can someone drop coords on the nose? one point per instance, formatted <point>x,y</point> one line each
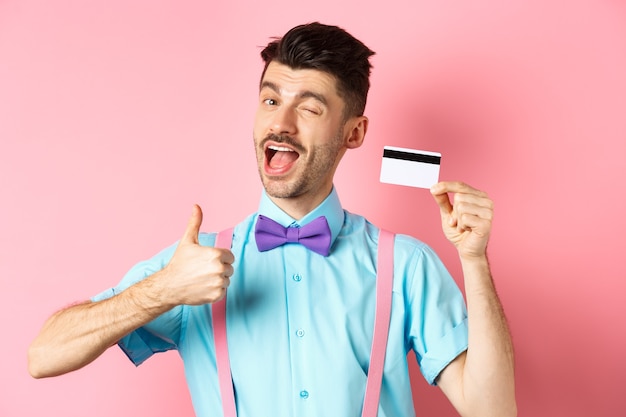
<point>283,121</point>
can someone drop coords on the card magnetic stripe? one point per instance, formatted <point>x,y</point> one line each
<point>410,156</point>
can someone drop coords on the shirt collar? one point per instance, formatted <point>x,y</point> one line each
<point>329,208</point>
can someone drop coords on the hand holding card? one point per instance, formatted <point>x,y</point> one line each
<point>410,167</point>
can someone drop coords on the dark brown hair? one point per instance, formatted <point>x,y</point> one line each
<point>332,50</point>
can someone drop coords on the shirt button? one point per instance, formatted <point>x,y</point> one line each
<point>304,394</point>
<point>297,277</point>
<point>300,333</point>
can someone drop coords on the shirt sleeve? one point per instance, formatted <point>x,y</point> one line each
<point>436,310</point>
<point>162,333</point>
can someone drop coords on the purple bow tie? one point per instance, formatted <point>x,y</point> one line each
<point>315,235</point>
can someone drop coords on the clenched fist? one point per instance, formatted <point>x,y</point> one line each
<point>196,274</point>
<point>466,221</point>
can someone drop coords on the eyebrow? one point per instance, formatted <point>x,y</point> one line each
<point>303,94</point>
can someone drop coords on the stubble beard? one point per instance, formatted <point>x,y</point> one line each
<point>314,166</point>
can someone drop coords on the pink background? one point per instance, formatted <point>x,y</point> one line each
<point>117,116</point>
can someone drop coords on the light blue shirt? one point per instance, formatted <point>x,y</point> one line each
<point>300,324</point>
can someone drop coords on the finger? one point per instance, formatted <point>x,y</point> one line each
<point>456,187</point>
<point>476,200</point>
<point>226,283</point>
<point>465,197</point>
<point>193,226</point>
<point>220,297</point>
<point>483,210</point>
<point>227,257</point>
<point>473,223</point>
<point>441,197</point>
<point>228,271</point>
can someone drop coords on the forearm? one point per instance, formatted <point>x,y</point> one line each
<point>75,336</point>
<point>488,376</point>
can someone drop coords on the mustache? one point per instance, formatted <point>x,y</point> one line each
<point>288,140</point>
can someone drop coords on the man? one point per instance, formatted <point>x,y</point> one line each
<point>300,321</point>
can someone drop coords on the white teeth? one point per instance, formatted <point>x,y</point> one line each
<point>279,148</point>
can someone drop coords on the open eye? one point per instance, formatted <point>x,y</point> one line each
<point>270,102</point>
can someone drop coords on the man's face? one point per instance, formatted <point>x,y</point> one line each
<point>298,132</point>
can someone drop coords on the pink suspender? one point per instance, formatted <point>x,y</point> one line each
<point>384,285</point>
<point>223,240</point>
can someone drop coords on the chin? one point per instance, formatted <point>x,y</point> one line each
<point>277,189</point>
<point>276,192</point>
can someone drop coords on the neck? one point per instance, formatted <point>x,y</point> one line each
<point>299,206</point>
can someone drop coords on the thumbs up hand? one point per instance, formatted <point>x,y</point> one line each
<point>196,274</point>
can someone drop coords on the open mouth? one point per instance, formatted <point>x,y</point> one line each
<point>279,158</point>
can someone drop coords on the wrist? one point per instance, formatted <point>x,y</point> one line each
<point>473,259</point>
<point>475,266</point>
<point>152,295</point>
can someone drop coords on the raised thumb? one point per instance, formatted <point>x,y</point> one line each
<point>193,226</point>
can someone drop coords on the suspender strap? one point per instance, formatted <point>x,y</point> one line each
<point>384,286</point>
<point>223,240</point>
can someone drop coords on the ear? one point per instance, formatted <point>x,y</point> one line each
<point>356,128</point>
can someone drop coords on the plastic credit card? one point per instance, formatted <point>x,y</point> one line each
<point>410,167</point>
